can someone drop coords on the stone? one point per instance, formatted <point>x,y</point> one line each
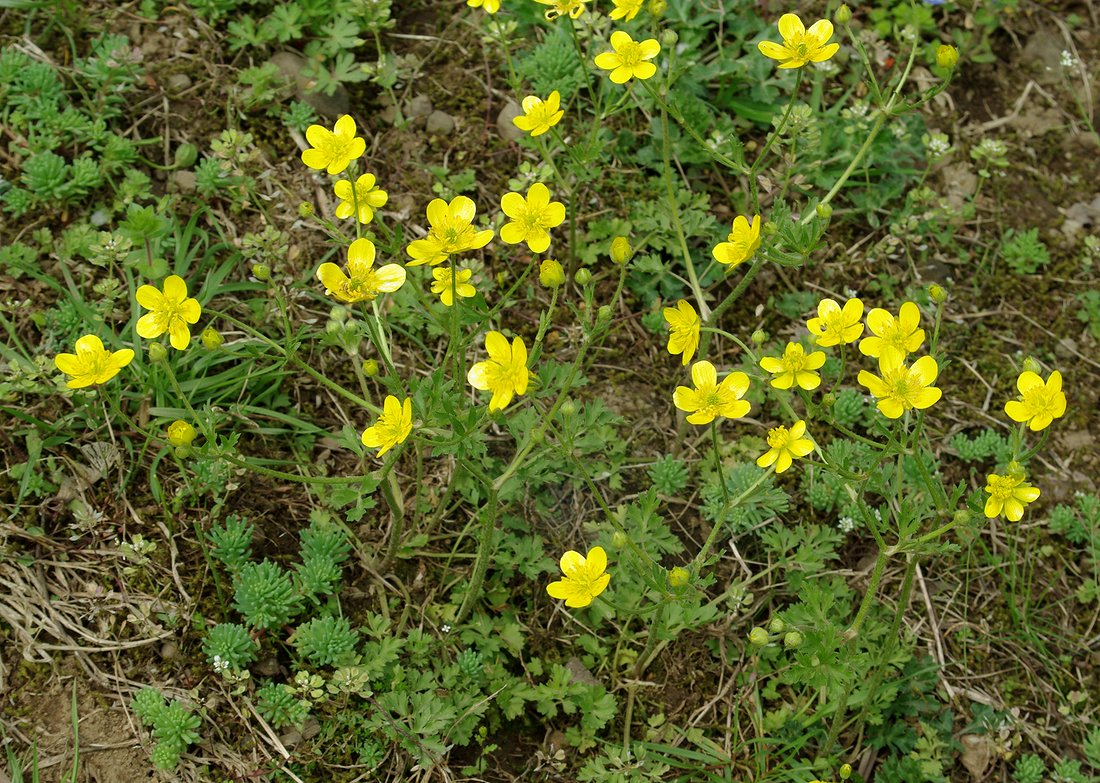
<point>293,66</point>
<point>178,82</point>
<point>439,124</point>
<point>508,131</point>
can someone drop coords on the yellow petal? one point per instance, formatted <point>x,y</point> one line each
<point>703,375</point>
<point>462,208</point>
<point>478,376</point>
<point>179,335</point>
<point>390,277</point>
<point>496,344</point>
<point>649,48</point>
<point>361,254</point>
<point>572,562</point>
<point>821,31</point>
<point>791,27</point>
<point>68,363</point>
<point>619,39</point>
<point>175,290</point>
<point>149,326</point>
<point>596,561</point>
<point>149,297</point>
<point>773,51</point>
<point>331,276</point>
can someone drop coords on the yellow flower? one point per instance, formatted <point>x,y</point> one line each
<point>363,283</point>
<point>180,433</point>
<point>629,58</point>
<point>1039,403</point>
<point>92,363</point>
<point>800,46</point>
<point>795,366</point>
<point>504,373</point>
<point>947,56</point>
<point>684,325</point>
<point>570,8</point>
<point>364,198</point>
<point>393,426</point>
<point>786,445</point>
<point>902,388</point>
<point>836,325</point>
<point>1008,494</point>
<point>171,311</point>
<point>441,286</point>
<point>584,577</point>
<point>532,218</point>
<point>894,338</point>
<point>451,232</point>
<point>741,244</point>
<point>551,273</point>
<point>709,398</point>
<point>540,116</point>
<point>490,6</point>
<point>333,149</point>
<point>626,9</point>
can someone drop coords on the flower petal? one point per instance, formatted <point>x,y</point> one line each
<point>791,27</point>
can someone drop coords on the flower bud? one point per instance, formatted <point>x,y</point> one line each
<point>537,436</point>
<point>843,14</point>
<point>845,771</point>
<point>551,274</point>
<point>828,400</point>
<point>678,577</point>
<point>776,625</point>
<point>261,272</point>
<point>180,433</point>
<point>621,251</point>
<point>305,210</point>
<point>937,293</point>
<point>186,155</point>
<point>568,408</point>
<point>618,539</point>
<point>824,211</point>
<point>770,228</point>
<point>759,337</point>
<point>961,518</point>
<point>603,315</point>
<point>157,352</point>
<point>793,640</point>
<point>758,636</point>
<point>658,7</point>
<point>1030,365</point>
<point>947,56</point>
<point>669,38</point>
<point>370,368</point>
<point>583,277</point>
<point>212,339</point>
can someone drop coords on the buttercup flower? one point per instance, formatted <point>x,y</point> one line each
<point>710,398</point>
<point>171,311</point>
<point>800,46</point>
<point>363,282</point>
<point>836,325</point>
<point>584,577</point>
<point>903,388</point>
<point>741,244</point>
<point>540,116</point>
<point>626,9</point>
<point>333,149</point>
<point>363,199</point>
<point>629,58</point>
<point>441,286</point>
<point>181,433</point>
<point>551,273</point>
<point>451,232</point>
<point>393,425</point>
<point>1008,494</point>
<point>795,366</point>
<point>504,373</point>
<point>1039,403</point>
<point>684,325</point>
<point>570,8</point>
<point>532,218</point>
<point>786,446</point>
<point>894,338</point>
<point>92,363</point>
<point>490,6</point>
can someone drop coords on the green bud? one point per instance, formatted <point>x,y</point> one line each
<point>824,211</point>
<point>758,636</point>
<point>583,277</point>
<point>568,408</point>
<point>1031,365</point>
<point>621,251</point>
<point>776,625</point>
<point>792,640</point>
<point>603,315</point>
<point>962,517</point>
<point>678,577</point>
<point>157,352</point>
<point>947,56</point>
<point>305,210</point>
<point>828,400</point>
<point>845,771</point>
<point>181,433</point>
<point>669,38</point>
<point>770,228</point>
<point>261,272</point>
<point>618,539</point>
<point>759,337</point>
<point>843,14</point>
<point>551,274</point>
<point>186,155</point>
<point>658,7</point>
<point>370,368</point>
<point>182,452</point>
<point>937,293</point>
<point>211,338</point>
<point>537,436</point>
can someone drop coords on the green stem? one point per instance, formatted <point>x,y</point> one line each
<point>772,139</point>
<point>697,562</point>
<point>674,214</point>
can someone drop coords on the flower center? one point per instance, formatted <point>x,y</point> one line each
<point>1040,401</point>
<point>1003,487</point>
<point>630,55</point>
<point>802,49</point>
<point>778,437</point>
<point>794,361</point>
